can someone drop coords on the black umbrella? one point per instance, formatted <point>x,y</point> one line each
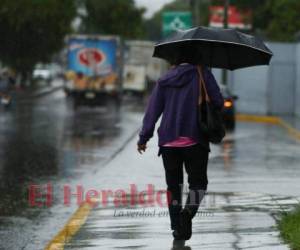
<point>214,47</point>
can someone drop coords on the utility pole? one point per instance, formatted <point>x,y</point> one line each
<point>225,25</point>
<point>197,13</point>
<point>226,7</point>
<point>195,9</point>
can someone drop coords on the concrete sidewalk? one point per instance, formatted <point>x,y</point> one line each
<point>247,192</point>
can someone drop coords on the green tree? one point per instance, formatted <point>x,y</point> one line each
<point>285,22</point>
<point>32,31</point>
<point>117,17</point>
<point>277,20</point>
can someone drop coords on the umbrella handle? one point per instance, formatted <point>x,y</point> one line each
<point>202,85</point>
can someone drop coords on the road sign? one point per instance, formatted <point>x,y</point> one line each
<point>241,19</point>
<point>175,20</point>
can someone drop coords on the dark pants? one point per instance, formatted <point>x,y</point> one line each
<point>195,159</point>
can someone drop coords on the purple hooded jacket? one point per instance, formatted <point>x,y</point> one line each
<point>175,96</point>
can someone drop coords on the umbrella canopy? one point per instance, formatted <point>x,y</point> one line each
<point>214,47</point>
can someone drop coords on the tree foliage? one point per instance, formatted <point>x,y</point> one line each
<point>32,30</point>
<point>285,21</point>
<point>277,20</point>
<point>117,17</point>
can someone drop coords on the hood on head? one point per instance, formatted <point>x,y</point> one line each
<point>178,76</point>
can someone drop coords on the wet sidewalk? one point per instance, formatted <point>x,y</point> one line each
<point>251,182</point>
<point>225,221</point>
<point>293,121</point>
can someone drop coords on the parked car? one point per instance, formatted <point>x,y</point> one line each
<point>229,107</point>
<point>47,72</point>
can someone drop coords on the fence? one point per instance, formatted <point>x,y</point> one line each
<point>273,89</point>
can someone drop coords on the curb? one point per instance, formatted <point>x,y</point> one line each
<point>70,228</point>
<point>79,217</point>
<point>293,132</point>
<point>258,118</point>
<point>41,93</point>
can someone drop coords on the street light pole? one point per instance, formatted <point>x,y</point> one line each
<point>195,11</point>
<point>226,7</point>
<point>225,25</point>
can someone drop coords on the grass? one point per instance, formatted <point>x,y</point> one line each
<point>289,227</point>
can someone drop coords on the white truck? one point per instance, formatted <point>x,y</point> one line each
<point>140,70</point>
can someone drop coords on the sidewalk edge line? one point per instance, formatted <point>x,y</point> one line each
<point>79,217</point>
<point>295,133</point>
<point>258,118</point>
<point>70,228</point>
<point>81,214</point>
<point>47,92</point>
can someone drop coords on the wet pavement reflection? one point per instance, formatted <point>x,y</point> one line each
<point>253,177</point>
<point>224,221</point>
<point>44,140</point>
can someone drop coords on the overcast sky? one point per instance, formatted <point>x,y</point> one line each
<point>151,5</point>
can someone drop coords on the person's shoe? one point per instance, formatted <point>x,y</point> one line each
<point>178,244</point>
<point>185,228</point>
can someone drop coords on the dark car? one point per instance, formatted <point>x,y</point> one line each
<point>229,107</point>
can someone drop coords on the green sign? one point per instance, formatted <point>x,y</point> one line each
<point>176,20</point>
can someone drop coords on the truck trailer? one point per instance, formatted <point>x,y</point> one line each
<point>94,69</point>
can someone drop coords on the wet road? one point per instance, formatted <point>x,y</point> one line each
<point>253,176</point>
<point>42,141</point>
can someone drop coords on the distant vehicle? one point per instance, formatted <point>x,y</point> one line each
<point>42,72</point>
<point>134,79</point>
<point>94,69</point>
<point>141,70</point>
<point>5,100</point>
<point>47,72</point>
<point>6,82</point>
<point>229,107</point>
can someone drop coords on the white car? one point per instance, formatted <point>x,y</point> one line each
<point>47,71</point>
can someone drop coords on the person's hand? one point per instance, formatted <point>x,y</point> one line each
<point>141,148</point>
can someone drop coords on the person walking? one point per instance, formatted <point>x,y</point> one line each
<point>176,97</point>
